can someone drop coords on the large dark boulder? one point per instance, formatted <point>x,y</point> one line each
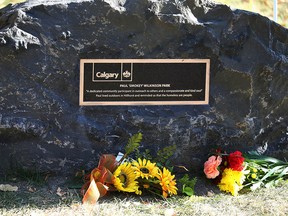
<point>43,127</point>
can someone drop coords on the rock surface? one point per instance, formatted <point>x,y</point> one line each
<point>42,125</point>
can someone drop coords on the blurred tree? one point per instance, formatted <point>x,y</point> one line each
<point>3,3</point>
<point>263,7</point>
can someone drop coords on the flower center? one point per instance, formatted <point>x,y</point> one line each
<point>144,170</point>
<point>123,178</point>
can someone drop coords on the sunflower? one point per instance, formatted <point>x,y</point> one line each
<point>125,178</point>
<point>168,183</point>
<point>145,169</point>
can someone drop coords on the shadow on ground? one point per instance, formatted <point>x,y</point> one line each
<point>55,191</point>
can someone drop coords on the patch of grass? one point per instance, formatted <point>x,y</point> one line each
<point>35,196</point>
<point>45,201</point>
<point>21,174</point>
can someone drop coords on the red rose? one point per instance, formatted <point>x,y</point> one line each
<point>235,161</point>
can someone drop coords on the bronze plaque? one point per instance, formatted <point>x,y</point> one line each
<point>144,81</point>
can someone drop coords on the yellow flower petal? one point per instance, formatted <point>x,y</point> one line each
<point>168,183</point>
<point>231,181</point>
<point>145,169</point>
<point>125,178</point>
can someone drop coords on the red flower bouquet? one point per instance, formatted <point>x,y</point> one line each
<point>234,171</point>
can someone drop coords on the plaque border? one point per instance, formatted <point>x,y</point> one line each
<point>132,103</point>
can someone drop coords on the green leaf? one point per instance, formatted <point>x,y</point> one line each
<point>253,153</point>
<point>133,143</point>
<point>265,177</point>
<point>271,172</point>
<point>284,172</point>
<point>184,179</point>
<point>270,184</point>
<point>164,154</point>
<point>187,190</point>
<point>188,184</point>
<point>259,159</point>
<point>146,154</point>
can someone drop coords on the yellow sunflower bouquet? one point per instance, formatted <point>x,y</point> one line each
<point>138,176</point>
<point>143,175</point>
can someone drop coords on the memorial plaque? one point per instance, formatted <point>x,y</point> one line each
<point>144,81</point>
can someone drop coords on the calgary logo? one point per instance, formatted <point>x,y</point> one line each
<point>106,75</point>
<point>126,74</point>
<point>109,72</point>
